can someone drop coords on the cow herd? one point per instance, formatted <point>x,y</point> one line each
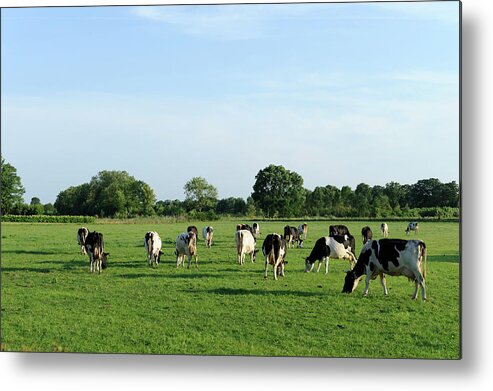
<point>393,257</point>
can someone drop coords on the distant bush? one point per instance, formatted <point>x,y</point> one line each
<point>47,219</point>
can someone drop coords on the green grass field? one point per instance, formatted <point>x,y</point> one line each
<point>51,303</point>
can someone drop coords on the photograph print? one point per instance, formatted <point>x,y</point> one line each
<point>273,180</point>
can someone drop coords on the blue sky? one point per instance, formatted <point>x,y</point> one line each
<point>340,93</point>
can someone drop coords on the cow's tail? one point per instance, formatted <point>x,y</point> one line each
<point>276,247</point>
<point>149,244</point>
<point>422,250</point>
<point>239,246</point>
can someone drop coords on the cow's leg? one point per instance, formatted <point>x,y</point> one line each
<point>319,264</point>
<point>419,282</point>
<point>265,268</point>
<point>275,271</point>
<point>282,269</point>
<point>352,260</point>
<point>327,265</point>
<point>367,282</point>
<point>384,284</point>
<point>196,261</point>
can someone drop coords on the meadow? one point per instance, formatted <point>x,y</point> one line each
<point>51,303</point>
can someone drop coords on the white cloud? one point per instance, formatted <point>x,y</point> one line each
<point>441,11</point>
<point>219,22</point>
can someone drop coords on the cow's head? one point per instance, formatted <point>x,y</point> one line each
<point>350,282</point>
<point>104,258</point>
<point>192,242</point>
<point>309,265</point>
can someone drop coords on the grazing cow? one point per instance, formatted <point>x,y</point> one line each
<point>367,234</point>
<point>414,226</point>
<point>338,230</point>
<point>255,230</point>
<point>194,229</point>
<point>336,247</point>
<point>342,230</point>
<point>303,230</point>
<point>153,244</point>
<point>244,226</point>
<point>385,230</point>
<point>274,250</point>
<point>81,239</point>
<point>186,245</point>
<point>207,234</point>
<point>245,244</point>
<point>291,236</point>
<point>395,257</point>
<point>94,245</point>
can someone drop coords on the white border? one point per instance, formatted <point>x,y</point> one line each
<point>474,372</point>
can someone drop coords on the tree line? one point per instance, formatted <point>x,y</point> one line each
<point>276,193</point>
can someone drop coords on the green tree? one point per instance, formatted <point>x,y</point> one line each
<point>381,206</point>
<point>279,192</point>
<point>108,194</point>
<point>347,202</point>
<point>449,195</point>
<point>49,209</point>
<point>12,189</point>
<point>35,201</point>
<point>362,197</point>
<point>200,195</point>
<point>74,201</point>
<point>396,194</point>
<point>232,205</point>
<point>170,208</point>
<point>425,193</point>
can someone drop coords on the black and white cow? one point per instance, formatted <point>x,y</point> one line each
<point>193,228</point>
<point>256,230</point>
<point>367,234</point>
<point>395,257</point>
<point>186,245</point>
<point>81,239</point>
<point>413,226</point>
<point>208,234</point>
<point>336,247</point>
<point>291,236</point>
<point>245,226</point>
<point>384,227</point>
<point>303,230</point>
<point>338,230</point>
<point>274,250</point>
<point>245,244</point>
<point>153,245</point>
<point>341,230</point>
<point>94,245</point>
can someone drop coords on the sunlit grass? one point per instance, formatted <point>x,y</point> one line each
<point>50,301</point>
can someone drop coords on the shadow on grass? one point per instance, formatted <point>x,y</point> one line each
<point>173,276</point>
<point>443,258</point>
<point>33,252</point>
<point>258,292</point>
<point>26,269</point>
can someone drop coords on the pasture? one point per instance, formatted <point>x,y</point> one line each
<point>51,303</point>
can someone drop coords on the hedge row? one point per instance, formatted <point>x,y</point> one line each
<point>47,219</point>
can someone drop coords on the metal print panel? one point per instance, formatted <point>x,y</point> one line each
<point>232,179</point>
